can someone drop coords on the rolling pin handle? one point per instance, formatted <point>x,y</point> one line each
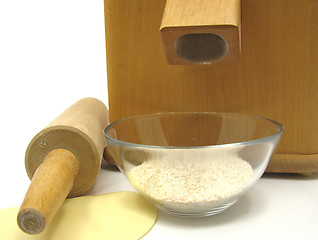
<point>50,185</point>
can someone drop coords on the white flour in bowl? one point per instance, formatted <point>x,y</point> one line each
<point>188,185</point>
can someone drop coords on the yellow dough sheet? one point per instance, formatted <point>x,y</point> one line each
<point>115,216</point>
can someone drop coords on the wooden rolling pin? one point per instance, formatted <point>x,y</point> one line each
<point>62,160</point>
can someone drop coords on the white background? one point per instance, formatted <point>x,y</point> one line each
<point>52,53</point>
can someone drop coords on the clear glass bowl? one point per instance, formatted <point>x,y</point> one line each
<point>192,163</point>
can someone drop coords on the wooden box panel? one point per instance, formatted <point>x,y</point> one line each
<point>276,76</point>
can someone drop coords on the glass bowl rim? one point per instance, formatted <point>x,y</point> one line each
<point>279,131</point>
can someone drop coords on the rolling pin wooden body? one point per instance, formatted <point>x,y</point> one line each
<point>63,160</point>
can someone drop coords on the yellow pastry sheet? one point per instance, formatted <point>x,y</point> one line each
<point>115,216</point>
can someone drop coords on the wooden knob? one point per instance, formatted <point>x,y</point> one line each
<point>69,171</point>
<point>201,31</point>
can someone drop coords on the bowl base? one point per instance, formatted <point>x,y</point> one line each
<point>208,213</point>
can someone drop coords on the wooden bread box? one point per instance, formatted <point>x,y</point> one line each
<point>267,65</point>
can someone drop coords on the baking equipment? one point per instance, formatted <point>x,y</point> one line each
<point>97,217</point>
<point>193,164</point>
<point>62,160</point>
<point>265,64</point>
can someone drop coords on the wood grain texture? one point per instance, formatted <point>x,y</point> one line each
<point>219,17</point>
<point>51,183</point>
<point>78,129</point>
<point>294,163</point>
<point>63,160</point>
<point>276,76</point>
<point>201,12</point>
